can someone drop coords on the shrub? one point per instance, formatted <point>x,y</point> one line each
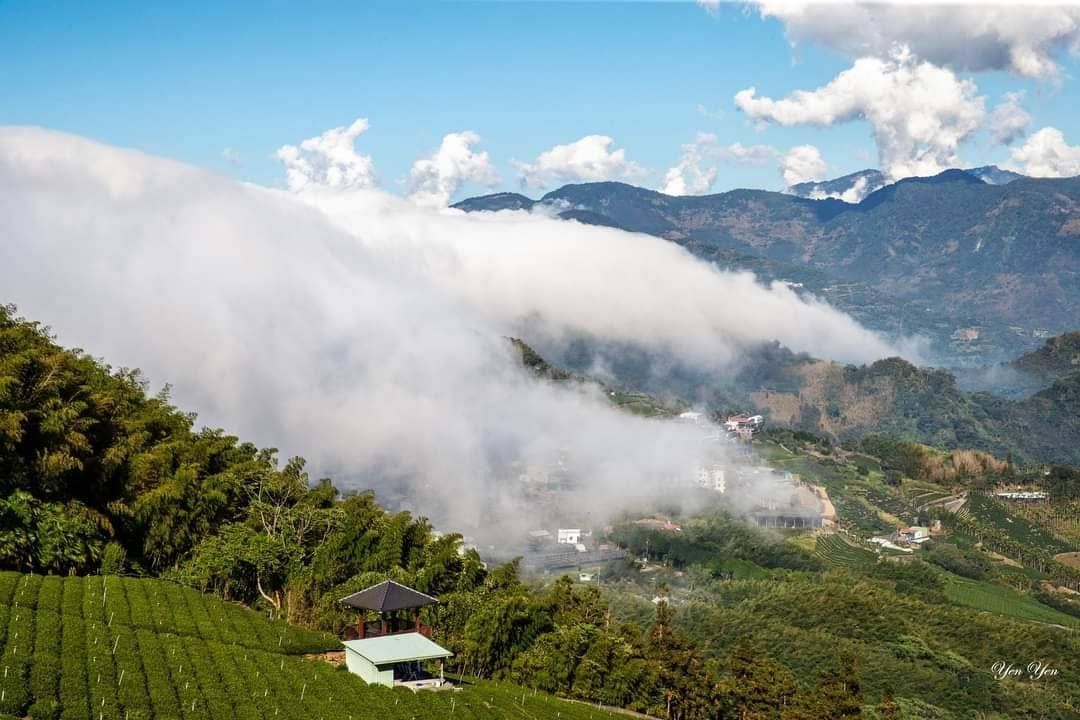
<point>114,560</point>
<point>969,564</point>
<point>45,710</point>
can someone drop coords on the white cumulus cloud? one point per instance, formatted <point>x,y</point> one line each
<point>589,159</point>
<point>1047,154</point>
<point>692,175</point>
<point>1019,37</point>
<point>802,163</point>
<point>434,180</point>
<point>919,113</point>
<point>330,160</point>
<point>697,168</point>
<point>747,154</point>
<point>1008,120</point>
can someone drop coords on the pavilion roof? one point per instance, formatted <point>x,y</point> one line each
<point>388,596</point>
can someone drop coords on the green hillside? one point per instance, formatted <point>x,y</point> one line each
<point>105,648</point>
<point>845,402</point>
<point>1058,357</point>
<point>894,397</point>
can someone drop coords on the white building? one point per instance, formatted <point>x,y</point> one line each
<point>569,536</point>
<point>915,534</point>
<point>712,478</point>
<point>394,659</point>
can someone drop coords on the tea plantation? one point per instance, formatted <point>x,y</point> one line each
<point>109,648</point>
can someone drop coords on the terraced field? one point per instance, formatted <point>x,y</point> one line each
<point>1061,518</point>
<point>122,649</point>
<point>839,552</point>
<point>1003,601</point>
<point>997,515</point>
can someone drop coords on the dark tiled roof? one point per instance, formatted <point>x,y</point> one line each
<point>386,597</point>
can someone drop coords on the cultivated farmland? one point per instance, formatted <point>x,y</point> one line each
<point>114,648</point>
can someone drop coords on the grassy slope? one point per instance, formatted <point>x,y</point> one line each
<point>109,648</point>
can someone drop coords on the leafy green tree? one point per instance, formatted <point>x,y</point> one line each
<point>756,688</point>
<point>838,692</point>
<point>689,689</point>
<point>507,624</point>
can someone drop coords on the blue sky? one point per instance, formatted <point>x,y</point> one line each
<point>187,80</point>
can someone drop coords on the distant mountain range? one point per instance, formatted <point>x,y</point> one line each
<point>982,262</point>
<point>849,188</point>
<point>856,186</point>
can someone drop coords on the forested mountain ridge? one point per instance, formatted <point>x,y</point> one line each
<point>897,398</point>
<point>1056,359</point>
<point>850,188</point>
<point>999,262</point>
<point>892,396</point>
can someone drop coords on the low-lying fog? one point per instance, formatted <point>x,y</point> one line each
<point>365,332</point>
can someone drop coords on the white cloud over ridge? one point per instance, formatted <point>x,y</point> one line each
<point>854,194</point>
<point>329,158</point>
<point>1047,154</point>
<point>919,113</point>
<point>1009,120</point>
<point>691,176</point>
<point>1018,37</point>
<point>434,180</point>
<point>802,163</point>
<point>590,159</point>
<point>366,332</point>
<point>697,170</point>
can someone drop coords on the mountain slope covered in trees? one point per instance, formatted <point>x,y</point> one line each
<point>895,397</point>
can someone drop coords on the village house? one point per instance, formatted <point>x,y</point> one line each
<point>712,477</point>
<point>569,536</point>
<point>916,535</point>
<point>751,423</point>
<point>659,524</point>
<point>804,509</point>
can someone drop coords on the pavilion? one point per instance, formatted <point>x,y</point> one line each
<point>390,648</point>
